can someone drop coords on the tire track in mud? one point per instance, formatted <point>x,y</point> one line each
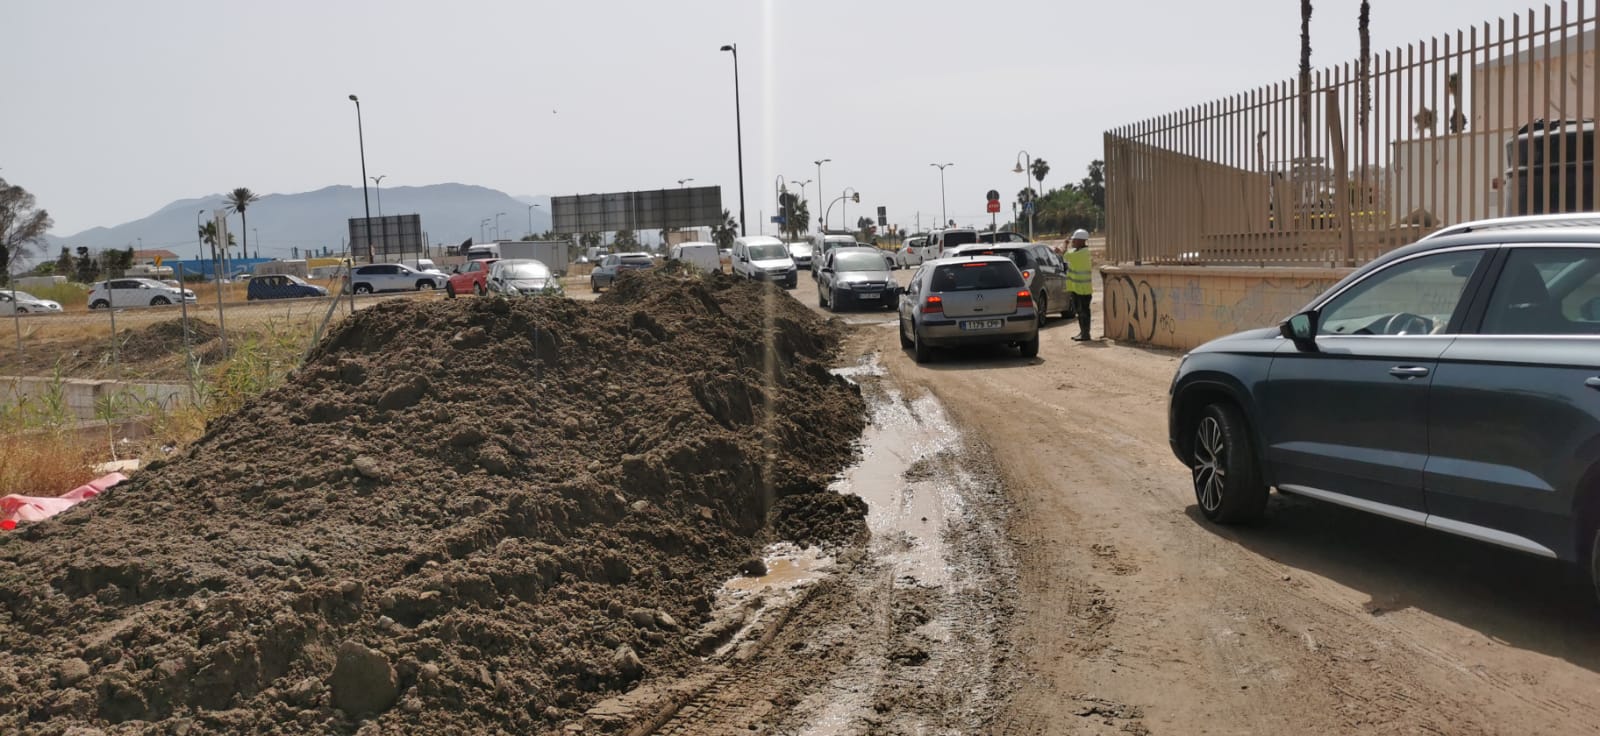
<point>910,637</point>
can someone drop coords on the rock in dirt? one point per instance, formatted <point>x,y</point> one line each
<point>627,662</point>
<point>754,567</point>
<point>363,681</point>
<point>71,672</point>
<point>211,590</point>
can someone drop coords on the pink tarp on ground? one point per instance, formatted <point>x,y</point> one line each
<point>16,508</point>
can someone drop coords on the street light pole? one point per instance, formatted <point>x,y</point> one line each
<point>681,182</point>
<point>1027,184</point>
<point>484,223</point>
<point>823,223</point>
<point>943,213</point>
<point>849,193</point>
<point>361,138</point>
<point>377,189</point>
<point>199,239</point>
<point>497,225</point>
<point>738,123</point>
<point>530,219</point>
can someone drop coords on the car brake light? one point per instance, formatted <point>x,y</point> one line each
<point>934,305</point>
<point>1025,299</point>
<point>1027,275</point>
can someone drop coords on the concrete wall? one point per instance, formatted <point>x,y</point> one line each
<point>1181,307</point>
<point>84,398</point>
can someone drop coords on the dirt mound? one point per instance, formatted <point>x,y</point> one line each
<point>163,339</point>
<point>464,516</point>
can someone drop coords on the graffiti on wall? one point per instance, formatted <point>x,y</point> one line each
<point>1138,311</point>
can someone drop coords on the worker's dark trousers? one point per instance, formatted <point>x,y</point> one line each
<point>1080,304</point>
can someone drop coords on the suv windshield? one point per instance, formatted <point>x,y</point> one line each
<point>768,252</point>
<point>859,262</point>
<point>976,276</point>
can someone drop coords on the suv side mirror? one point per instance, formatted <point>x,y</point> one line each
<point>1302,329</point>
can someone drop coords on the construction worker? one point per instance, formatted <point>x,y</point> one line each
<point>1080,280</point>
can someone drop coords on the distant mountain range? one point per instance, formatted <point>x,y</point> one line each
<point>310,221</point>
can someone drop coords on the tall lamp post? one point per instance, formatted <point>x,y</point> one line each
<point>738,124</point>
<point>377,190</point>
<point>1027,184</point>
<point>943,213</point>
<point>199,238</point>
<point>849,193</point>
<point>821,222</point>
<point>497,217</point>
<point>482,226</point>
<point>682,182</point>
<point>530,219</point>
<point>361,138</point>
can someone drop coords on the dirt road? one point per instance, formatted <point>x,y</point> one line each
<point>1112,607</point>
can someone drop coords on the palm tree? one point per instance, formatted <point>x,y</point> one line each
<point>1305,78</point>
<point>724,234</point>
<point>1040,167</point>
<point>1364,73</point>
<point>238,201</point>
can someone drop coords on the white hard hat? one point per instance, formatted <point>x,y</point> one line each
<point>1080,235</point>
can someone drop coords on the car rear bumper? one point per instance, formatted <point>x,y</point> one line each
<point>1019,327</point>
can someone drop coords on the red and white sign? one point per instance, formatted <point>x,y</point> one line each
<point>994,206</point>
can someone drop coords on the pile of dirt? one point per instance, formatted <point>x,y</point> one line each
<point>460,516</point>
<point>163,339</point>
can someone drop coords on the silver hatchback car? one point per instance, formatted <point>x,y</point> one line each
<point>967,301</point>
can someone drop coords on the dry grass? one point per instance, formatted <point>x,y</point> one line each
<point>45,463</point>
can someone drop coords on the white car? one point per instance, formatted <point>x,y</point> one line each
<point>21,302</point>
<point>122,293</point>
<point>764,258</point>
<point>913,252</point>
<point>394,277</point>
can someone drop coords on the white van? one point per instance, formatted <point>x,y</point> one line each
<point>486,250</point>
<point>698,253</point>
<point>764,258</point>
<point>821,244</point>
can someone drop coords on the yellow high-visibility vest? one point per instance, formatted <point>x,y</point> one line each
<point>1080,271</point>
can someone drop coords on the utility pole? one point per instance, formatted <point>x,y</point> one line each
<point>738,124</point>
<point>944,213</point>
<point>361,138</point>
<point>822,222</point>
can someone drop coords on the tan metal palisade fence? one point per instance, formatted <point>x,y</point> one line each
<point>1455,131</point>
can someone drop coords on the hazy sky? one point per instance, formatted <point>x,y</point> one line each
<point>113,109</point>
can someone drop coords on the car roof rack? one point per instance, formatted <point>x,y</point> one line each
<point>1520,222</point>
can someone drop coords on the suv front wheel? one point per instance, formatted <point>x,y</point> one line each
<point>1227,481</point>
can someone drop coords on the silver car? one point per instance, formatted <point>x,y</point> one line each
<point>522,277</point>
<point>968,301</point>
<point>394,277</point>
<point>855,277</point>
<point>26,303</point>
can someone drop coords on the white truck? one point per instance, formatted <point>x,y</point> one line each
<point>275,268</point>
<point>554,254</point>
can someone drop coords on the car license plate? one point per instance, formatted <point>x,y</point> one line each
<point>981,324</point>
<point>869,295</point>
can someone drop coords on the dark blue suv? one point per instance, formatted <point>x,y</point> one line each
<point>1453,384</point>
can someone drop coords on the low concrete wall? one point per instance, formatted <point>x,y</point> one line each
<point>1181,307</point>
<point>83,398</point>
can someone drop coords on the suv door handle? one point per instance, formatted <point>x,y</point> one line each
<point>1593,383</point>
<point>1408,371</point>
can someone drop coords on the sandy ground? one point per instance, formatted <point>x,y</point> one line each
<point>1110,606</point>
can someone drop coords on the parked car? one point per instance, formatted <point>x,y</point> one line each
<point>764,258</point>
<point>945,241</point>
<point>522,277</point>
<point>1043,271</point>
<point>281,286</point>
<point>980,300</point>
<point>393,277</point>
<point>821,244</point>
<point>912,252</point>
<point>1450,384</point>
<point>702,255</point>
<point>471,278</point>
<point>123,293</point>
<point>605,274</point>
<point>21,302</point>
<point>855,276</point>
<point>801,252</point>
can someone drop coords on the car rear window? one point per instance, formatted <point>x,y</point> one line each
<point>976,276</point>
<point>952,240</point>
<point>636,260</point>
